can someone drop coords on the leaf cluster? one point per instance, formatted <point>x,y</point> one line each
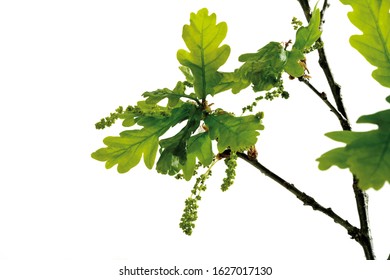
<point>186,104</point>
<point>177,130</point>
<point>264,68</point>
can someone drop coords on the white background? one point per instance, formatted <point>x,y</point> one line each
<point>66,64</point>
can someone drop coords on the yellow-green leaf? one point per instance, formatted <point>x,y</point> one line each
<point>203,38</point>
<point>308,35</point>
<point>127,149</point>
<point>372,17</point>
<point>294,67</point>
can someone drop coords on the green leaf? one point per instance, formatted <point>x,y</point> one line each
<point>294,66</point>
<point>203,37</point>
<point>373,19</point>
<point>174,149</point>
<point>187,73</point>
<point>154,97</point>
<point>236,133</point>
<point>263,68</point>
<point>199,146</point>
<point>127,149</point>
<point>233,81</point>
<point>366,154</point>
<point>336,157</point>
<point>306,36</point>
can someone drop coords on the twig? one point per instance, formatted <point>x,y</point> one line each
<point>323,61</point>
<point>343,121</point>
<point>353,231</point>
<point>324,7</point>
<point>335,87</point>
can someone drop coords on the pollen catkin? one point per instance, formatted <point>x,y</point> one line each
<point>190,212</point>
<point>231,164</point>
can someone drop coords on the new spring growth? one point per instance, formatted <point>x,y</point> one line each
<point>110,120</point>
<point>270,95</point>
<point>296,23</point>
<point>317,45</point>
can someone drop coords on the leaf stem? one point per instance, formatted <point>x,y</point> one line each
<point>205,175</point>
<point>353,231</point>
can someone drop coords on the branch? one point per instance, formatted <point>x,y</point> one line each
<point>343,121</point>
<point>360,196</point>
<point>306,8</point>
<point>353,231</point>
<point>362,207</point>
